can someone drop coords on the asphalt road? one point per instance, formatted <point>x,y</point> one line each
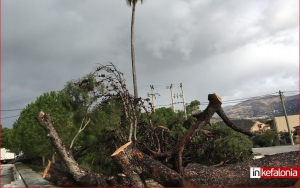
<point>276,149</point>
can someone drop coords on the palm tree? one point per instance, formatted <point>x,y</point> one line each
<point>132,3</point>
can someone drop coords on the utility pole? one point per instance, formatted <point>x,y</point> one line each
<point>184,106</point>
<point>152,93</point>
<point>286,118</point>
<point>153,97</point>
<point>173,107</point>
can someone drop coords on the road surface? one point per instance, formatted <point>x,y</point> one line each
<point>276,149</point>
<point>7,175</point>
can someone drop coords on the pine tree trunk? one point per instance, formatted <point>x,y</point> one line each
<point>194,175</point>
<point>130,160</point>
<point>81,176</point>
<point>59,175</point>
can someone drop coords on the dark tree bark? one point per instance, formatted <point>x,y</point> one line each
<point>124,159</point>
<point>239,174</point>
<point>80,152</point>
<point>194,174</point>
<point>82,176</point>
<point>59,175</point>
<point>123,179</point>
<point>130,160</point>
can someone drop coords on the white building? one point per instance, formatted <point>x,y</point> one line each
<point>6,155</point>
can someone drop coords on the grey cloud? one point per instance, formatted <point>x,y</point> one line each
<point>280,15</point>
<point>198,43</point>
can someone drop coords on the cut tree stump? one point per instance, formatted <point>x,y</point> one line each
<point>239,174</point>
<point>129,158</point>
<point>124,160</point>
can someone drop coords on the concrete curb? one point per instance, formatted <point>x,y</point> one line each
<point>18,182</point>
<point>29,177</point>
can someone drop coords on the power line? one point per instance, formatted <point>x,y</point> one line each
<point>16,102</point>
<point>166,99</point>
<point>12,110</point>
<point>252,98</point>
<point>291,92</point>
<point>246,99</point>
<point>10,117</point>
<point>19,100</point>
<point>163,99</point>
<point>164,105</point>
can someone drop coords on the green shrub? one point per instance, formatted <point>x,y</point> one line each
<point>265,139</point>
<point>226,145</point>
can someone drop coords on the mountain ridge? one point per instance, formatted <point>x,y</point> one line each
<point>263,107</point>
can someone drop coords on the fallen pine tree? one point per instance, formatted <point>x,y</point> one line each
<point>193,175</point>
<point>136,164</point>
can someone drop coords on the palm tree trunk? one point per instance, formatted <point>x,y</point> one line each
<point>132,50</point>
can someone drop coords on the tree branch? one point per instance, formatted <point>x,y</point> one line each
<point>214,104</point>
<point>81,128</point>
<point>81,175</point>
<point>226,120</point>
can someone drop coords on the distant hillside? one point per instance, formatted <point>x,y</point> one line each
<point>245,124</point>
<point>263,107</point>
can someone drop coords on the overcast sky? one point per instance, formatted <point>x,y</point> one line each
<point>235,48</point>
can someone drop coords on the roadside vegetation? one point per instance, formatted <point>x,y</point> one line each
<point>266,139</point>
